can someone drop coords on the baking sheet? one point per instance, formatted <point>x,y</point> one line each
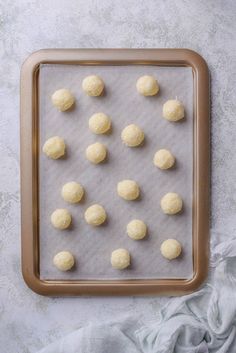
<point>92,246</point>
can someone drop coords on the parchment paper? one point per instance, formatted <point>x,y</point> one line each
<point>92,246</point>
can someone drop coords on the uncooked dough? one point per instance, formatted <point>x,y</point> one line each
<point>96,153</point>
<point>61,218</point>
<point>163,159</point>
<point>93,85</point>
<point>132,135</point>
<point>95,215</point>
<point>99,123</point>
<point>171,249</point>
<point>120,259</point>
<point>54,147</point>
<point>72,192</point>
<point>63,99</point>
<point>64,260</point>
<point>136,229</point>
<point>147,85</point>
<point>171,203</point>
<point>128,189</point>
<point>173,110</point>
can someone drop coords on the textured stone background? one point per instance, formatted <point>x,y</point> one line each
<point>28,321</point>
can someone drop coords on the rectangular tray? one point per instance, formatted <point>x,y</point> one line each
<point>32,112</point>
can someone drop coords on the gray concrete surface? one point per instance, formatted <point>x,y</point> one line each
<point>27,321</point>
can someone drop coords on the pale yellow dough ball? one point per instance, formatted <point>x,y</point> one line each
<point>93,85</point>
<point>120,259</point>
<point>95,215</point>
<point>99,123</point>
<point>147,85</point>
<point>64,260</point>
<point>63,99</point>
<point>96,153</point>
<point>54,147</point>
<point>132,135</point>
<point>128,189</point>
<point>61,218</point>
<point>171,203</point>
<point>164,159</point>
<point>171,249</point>
<point>136,229</point>
<point>72,192</point>
<point>173,110</point>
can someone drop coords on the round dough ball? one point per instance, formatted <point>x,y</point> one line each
<point>61,218</point>
<point>96,153</point>
<point>93,85</point>
<point>63,99</point>
<point>128,190</point>
<point>171,249</point>
<point>132,135</point>
<point>171,203</point>
<point>54,147</point>
<point>173,110</point>
<point>120,259</point>
<point>147,85</point>
<point>72,192</point>
<point>99,123</point>
<point>136,229</point>
<point>64,260</point>
<point>95,215</point>
<point>163,159</point>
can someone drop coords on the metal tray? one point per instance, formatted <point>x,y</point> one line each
<point>31,116</point>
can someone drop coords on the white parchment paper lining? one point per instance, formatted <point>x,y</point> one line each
<point>92,246</point>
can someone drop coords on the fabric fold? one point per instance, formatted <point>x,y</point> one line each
<point>201,322</point>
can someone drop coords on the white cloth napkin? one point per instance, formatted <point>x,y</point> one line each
<point>202,322</point>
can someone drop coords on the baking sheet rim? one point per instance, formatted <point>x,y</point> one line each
<point>29,172</point>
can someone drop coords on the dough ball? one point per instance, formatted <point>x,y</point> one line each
<point>128,189</point>
<point>54,147</point>
<point>132,135</point>
<point>72,192</point>
<point>99,123</point>
<point>171,203</point>
<point>93,85</point>
<point>95,215</point>
<point>63,99</point>
<point>163,159</point>
<point>147,85</point>
<point>61,218</point>
<point>173,110</point>
<point>96,153</point>
<point>136,229</point>
<point>171,249</point>
<point>64,260</point>
<point>120,259</point>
